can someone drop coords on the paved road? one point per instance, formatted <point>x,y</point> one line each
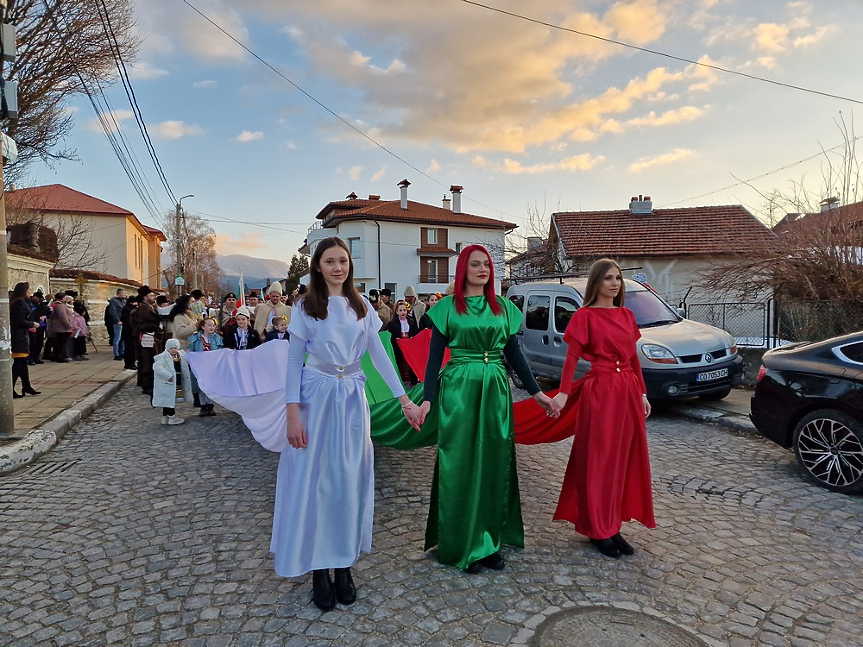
<point>160,535</point>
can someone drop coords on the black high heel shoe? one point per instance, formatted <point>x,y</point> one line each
<point>346,592</point>
<point>323,594</point>
<point>31,391</point>
<point>15,395</point>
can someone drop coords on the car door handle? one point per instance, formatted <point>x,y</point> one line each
<point>545,339</point>
<point>557,342</point>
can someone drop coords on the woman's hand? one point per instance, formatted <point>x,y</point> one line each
<point>560,401</point>
<point>296,432</point>
<point>547,403</point>
<point>412,413</point>
<point>646,406</point>
<point>425,407</point>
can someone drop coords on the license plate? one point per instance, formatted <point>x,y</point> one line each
<point>712,375</point>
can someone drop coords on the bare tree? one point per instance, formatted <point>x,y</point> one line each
<point>817,252</point>
<point>202,271</point>
<point>62,46</point>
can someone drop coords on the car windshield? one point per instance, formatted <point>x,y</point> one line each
<point>649,309</point>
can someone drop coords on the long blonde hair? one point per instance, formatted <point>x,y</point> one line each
<point>594,279</point>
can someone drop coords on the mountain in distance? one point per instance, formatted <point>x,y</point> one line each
<point>256,271</point>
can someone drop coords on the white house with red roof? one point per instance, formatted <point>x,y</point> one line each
<point>396,243</point>
<point>673,248</point>
<point>126,248</point>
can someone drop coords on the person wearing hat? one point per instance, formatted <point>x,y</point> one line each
<point>387,300</point>
<point>126,336</point>
<point>239,335</point>
<point>145,322</point>
<point>416,307</point>
<point>226,312</point>
<point>382,310</point>
<point>199,305</point>
<point>270,309</point>
<point>39,316</point>
<point>171,374</point>
<point>252,302</point>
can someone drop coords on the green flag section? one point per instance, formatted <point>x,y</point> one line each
<point>376,389</point>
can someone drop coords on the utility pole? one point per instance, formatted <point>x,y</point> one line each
<point>179,277</point>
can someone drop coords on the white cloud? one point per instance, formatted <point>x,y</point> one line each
<point>249,136</point>
<point>145,71</point>
<point>175,130</point>
<point>433,166</point>
<point>658,160</point>
<point>113,119</point>
<point>379,174</point>
<point>354,172</point>
<point>584,162</point>
<point>206,83</point>
<point>771,38</point>
<point>242,244</point>
<point>291,145</point>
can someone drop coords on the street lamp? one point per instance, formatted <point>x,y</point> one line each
<point>178,244</point>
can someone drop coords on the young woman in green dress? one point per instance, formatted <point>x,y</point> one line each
<point>475,505</point>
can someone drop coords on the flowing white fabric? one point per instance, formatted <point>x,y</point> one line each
<point>250,383</point>
<point>325,491</point>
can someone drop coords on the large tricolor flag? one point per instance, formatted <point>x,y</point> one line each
<point>241,291</point>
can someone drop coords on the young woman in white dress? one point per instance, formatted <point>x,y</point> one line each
<point>325,484</point>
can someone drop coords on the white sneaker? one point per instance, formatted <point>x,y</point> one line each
<point>165,420</point>
<point>176,420</point>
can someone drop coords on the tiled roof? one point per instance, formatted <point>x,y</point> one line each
<point>417,212</point>
<point>60,198</point>
<point>30,253</point>
<point>154,232</point>
<point>93,276</point>
<point>690,231</point>
<point>435,251</point>
<point>849,214</point>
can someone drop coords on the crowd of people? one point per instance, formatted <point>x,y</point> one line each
<point>324,500</point>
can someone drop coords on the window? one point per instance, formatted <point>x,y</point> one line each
<point>518,300</point>
<point>852,352</point>
<point>431,267</point>
<point>431,237</point>
<point>355,247</point>
<point>458,248</point>
<point>361,288</point>
<point>536,317</point>
<point>564,308</point>
<point>392,287</point>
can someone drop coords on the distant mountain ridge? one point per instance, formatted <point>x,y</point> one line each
<point>256,271</point>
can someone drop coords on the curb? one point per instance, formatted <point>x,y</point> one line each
<point>39,442</point>
<point>716,416</point>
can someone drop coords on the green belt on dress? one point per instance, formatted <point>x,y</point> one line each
<point>461,356</point>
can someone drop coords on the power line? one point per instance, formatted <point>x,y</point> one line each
<point>763,175</point>
<point>332,112</point>
<point>647,50</point>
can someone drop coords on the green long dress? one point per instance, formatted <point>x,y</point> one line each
<point>475,505</point>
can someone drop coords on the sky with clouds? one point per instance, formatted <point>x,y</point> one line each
<point>518,112</point>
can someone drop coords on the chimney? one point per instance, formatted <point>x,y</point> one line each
<point>351,196</point>
<point>374,197</point>
<point>641,205</point>
<point>829,203</point>
<point>446,202</point>
<point>404,184</point>
<point>456,197</point>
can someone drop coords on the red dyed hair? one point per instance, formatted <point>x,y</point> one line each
<point>461,279</point>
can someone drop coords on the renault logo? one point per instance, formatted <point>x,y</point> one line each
<point>708,358</point>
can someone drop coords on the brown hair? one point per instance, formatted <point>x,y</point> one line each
<point>594,278</point>
<point>200,324</point>
<point>315,302</point>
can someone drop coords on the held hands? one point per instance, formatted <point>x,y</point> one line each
<point>560,401</point>
<point>413,414</point>
<point>552,410</point>
<point>425,407</point>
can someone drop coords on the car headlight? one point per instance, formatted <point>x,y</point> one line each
<point>658,354</point>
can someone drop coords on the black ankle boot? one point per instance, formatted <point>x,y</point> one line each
<point>606,547</point>
<point>493,561</point>
<point>346,592</point>
<point>622,545</point>
<point>323,594</point>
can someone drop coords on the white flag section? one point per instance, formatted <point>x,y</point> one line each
<point>250,383</point>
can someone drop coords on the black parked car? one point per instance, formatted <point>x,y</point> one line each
<point>809,397</point>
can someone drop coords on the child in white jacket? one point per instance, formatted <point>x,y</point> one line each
<point>170,370</point>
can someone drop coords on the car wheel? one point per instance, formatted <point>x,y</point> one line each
<point>829,446</point>
<point>719,395</point>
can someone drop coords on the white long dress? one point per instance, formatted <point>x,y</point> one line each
<point>325,491</point>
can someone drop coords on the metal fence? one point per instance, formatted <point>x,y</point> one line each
<point>771,323</point>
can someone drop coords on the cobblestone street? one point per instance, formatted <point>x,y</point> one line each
<point>133,533</point>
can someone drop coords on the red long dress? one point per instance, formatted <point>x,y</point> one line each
<point>607,478</point>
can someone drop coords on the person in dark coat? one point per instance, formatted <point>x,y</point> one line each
<point>145,324</point>
<point>39,316</point>
<point>240,335</point>
<point>402,326</point>
<point>22,326</point>
<point>129,352</point>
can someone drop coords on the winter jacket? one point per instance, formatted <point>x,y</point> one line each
<point>114,310</point>
<point>262,316</point>
<point>229,336</point>
<point>165,380</point>
<point>196,342</point>
<point>274,334</point>
<point>144,319</point>
<point>60,320</point>
<point>19,312</point>
<point>184,326</point>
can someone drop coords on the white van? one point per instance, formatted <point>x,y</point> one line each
<point>679,358</point>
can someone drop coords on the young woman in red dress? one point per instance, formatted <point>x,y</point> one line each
<point>607,478</point>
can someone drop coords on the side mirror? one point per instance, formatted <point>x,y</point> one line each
<point>681,312</point>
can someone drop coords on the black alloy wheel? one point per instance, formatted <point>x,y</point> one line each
<point>828,444</point>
